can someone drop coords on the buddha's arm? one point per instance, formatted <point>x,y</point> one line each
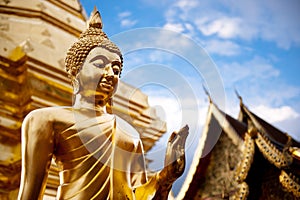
<point>159,186</point>
<point>37,148</point>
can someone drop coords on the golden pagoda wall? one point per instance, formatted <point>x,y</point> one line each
<point>34,38</point>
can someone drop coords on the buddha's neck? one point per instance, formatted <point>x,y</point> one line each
<point>83,103</point>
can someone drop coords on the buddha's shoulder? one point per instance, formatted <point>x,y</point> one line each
<point>50,114</point>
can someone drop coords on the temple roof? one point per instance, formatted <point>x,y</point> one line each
<point>282,141</point>
<point>217,123</point>
<point>276,136</point>
<point>275,146</point>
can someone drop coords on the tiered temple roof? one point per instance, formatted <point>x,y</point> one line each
<point>34,38</point>
<point>244,158</point>
<point>236,158</point>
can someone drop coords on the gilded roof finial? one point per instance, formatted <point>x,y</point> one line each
<point>239,96</point>
<point>207,93</point>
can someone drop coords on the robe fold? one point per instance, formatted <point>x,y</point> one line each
<point>98,160</point>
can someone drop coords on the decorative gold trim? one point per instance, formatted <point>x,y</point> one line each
<point>247,159</point>
<point>242,192</point>
<point>10,174</point>
<point>295,151</point>
<point>290,183</point>
<point>79,13</point>
<point>42,15</point>
<point>271,153</point>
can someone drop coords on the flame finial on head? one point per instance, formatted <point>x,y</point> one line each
<point>95,19</point>
<point>92,37</point>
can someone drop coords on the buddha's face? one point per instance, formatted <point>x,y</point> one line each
<point>99,75</point>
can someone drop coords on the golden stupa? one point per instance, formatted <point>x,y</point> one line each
<point>34,38</point>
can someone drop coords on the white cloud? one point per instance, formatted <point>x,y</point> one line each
<point>256,69</point>
<point>231,28</point>
<point>283,26</point>
<point>180,10</point>
<point>189,27</point>
<point>278,114</point>
<point>174,27</point>
<point>263,91</point>
<point>156,4</point>
<point>124,14</point>
<point>274,21</point>
<point>223,27</point>
<point>128,23</point>
<point>222,47</point>
<point>177,113</point>
<point>171,40</point>
<point>157,56</point>
<point>290,126</point>
<point>187,4</point>
<point>272,92</point>
<point>169,110</point>
<point>176,104</point>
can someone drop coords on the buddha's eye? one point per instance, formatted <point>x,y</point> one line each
<point>116,69</point>
<point>98,63</point>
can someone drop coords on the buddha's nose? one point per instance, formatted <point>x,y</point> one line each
<point>109,73</point>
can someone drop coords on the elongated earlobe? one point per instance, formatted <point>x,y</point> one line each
<point>75,85</point>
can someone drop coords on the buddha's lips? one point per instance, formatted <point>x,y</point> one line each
<point>106,85</point>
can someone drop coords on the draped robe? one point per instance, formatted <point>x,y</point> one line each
<point>98,160</point>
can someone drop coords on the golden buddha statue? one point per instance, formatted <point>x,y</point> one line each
<point>97,159</point>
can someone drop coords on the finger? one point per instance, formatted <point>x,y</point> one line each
<point>184,132</point>
<point>173,137</point>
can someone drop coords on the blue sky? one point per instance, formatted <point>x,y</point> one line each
<point>255,46</point>
<point>250,46</point>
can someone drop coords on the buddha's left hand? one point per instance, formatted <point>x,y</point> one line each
<point>175,156</point>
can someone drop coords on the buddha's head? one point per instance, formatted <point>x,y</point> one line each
<point>94,63</point>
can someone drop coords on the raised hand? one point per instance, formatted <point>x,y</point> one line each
<point>159,186</point>
<point>175,156</point>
